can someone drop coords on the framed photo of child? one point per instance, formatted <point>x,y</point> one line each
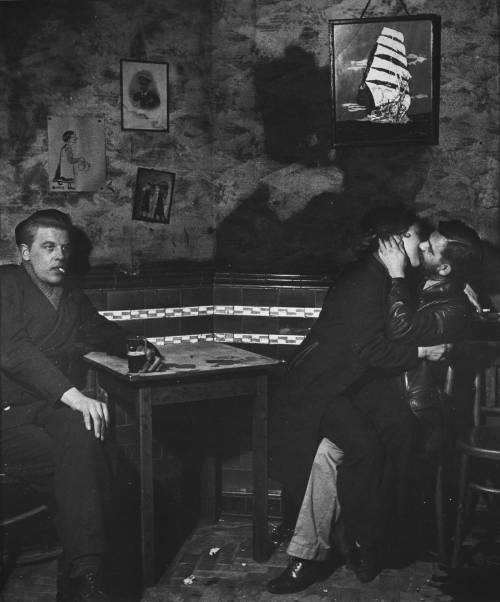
<point>153,195</point>
<point>144,88</point>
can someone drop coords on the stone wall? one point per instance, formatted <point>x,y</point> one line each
<point>285,201</point>
<point>63,58</point>
<point>258,185</point>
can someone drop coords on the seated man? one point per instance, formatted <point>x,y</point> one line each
<point>52,434</point>
<point>384,420</point>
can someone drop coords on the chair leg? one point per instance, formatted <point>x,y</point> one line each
<point>439,514</point>
<point>460,510</point>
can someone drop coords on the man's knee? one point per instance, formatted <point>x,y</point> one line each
<point>328,454</point>
<point>71,435</point>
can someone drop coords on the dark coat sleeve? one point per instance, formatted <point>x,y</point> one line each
<point>366,325</point>
<point>431,325</point>
<point>20,358</point>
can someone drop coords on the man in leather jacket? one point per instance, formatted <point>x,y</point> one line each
<point>385,425</point>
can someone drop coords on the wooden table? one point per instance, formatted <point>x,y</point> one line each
<point>195,372</point>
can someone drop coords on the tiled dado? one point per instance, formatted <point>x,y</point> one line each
<point>244,309</point>
<point>267,338</point>
<point>210,310</point>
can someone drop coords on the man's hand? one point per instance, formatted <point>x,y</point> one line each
<point>435,353</point>
<point>392,254</point>
<point>153,359</point>
<point>95,413</point>
<point>473,298</point>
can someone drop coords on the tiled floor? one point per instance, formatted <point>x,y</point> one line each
<point>231,575</point>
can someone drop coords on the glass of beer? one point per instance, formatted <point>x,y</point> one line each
<point>136,353</point>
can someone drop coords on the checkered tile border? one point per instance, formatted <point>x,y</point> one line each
<point>158,312</point>
<point>182,338</point>
<point>211,310</point>
<point>219,310</point>
<point>230,337</point>
<point>263,339</point>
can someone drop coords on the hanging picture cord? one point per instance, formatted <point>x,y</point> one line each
<point>369,2</point>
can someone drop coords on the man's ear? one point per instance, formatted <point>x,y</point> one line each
<point>25,252</point>
<point>444,269</point>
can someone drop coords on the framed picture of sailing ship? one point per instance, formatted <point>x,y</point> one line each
<point>385,80</point>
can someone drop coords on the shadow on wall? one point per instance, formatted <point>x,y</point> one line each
<point>81,247</point>
<point>19,30</point>
<point>317,240</point>
<point>293,99</point>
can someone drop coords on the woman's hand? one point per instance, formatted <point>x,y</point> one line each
<point>392,254</point>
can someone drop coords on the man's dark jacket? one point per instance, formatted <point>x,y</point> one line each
<point>345,345</point>
<point>40,347</point>
<point>442,314</point>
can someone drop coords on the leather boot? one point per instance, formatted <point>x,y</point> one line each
<point>298,575</point>
<point>364,562</point>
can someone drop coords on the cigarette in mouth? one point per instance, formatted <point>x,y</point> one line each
<point>61,270</point>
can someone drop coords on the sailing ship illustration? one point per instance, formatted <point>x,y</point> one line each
<point>385,87</point>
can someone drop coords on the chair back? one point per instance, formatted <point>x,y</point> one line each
<point>449,380</point>
<point>486,408</point>
<point>18,501</point>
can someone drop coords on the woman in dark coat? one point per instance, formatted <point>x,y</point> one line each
<point>346,346</point>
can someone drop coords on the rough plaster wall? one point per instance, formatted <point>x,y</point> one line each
<point>250,127</point>
<point>284,200</point>
<point>63,58</point>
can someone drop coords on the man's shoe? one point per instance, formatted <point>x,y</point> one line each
<point>281,533</point>
<point>298,575</point>
<point>363,561</point>
<point>85,588</point>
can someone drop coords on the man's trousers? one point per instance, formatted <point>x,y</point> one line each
<point>320,507</point>
<point>54,453</point>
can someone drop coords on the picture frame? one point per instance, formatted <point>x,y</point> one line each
<point>144,95</point>
<point>385,75</point>
<point>76,153</point>
<point>153,195</point>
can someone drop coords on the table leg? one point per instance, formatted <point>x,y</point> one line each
<point>209,488</point>
<point>260,480</point>
<point>147,494</point>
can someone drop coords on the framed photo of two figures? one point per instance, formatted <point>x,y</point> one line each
<point>154,191</point>
<point>385,80</point>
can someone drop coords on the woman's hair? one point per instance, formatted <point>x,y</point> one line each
<point>46,218</point>
<point>384,221</point>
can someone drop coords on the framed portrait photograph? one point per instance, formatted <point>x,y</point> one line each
<point>144,88</point>
<point>153,195</point>
<point>385,80</point>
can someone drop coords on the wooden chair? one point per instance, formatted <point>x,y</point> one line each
<point>482,443</point>
<point>19,509</point>
<point>439,511</point>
